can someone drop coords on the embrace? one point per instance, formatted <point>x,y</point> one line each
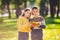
<point>34,25</point>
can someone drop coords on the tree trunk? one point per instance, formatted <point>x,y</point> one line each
<point>8,8</point>
<point>25,3</point>
<point>42,8</point>
<point>52,11</point>
<point>52,7</point>
<point>18,11</point>
<point>57,9</point>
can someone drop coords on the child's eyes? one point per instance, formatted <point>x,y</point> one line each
<point>35,11</point>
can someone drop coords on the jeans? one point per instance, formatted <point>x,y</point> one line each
<point>23,36</point>
<point>36,34</point>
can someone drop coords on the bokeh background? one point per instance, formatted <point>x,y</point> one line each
<point>10,10</point>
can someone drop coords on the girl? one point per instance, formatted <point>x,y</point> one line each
<point>23,25</point>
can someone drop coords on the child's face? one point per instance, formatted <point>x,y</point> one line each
<point>27,13</point>
<point>35,12</point>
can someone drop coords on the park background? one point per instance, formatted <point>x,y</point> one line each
<point>10,10</point>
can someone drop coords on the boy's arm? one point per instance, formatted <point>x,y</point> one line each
<point>43,25</point>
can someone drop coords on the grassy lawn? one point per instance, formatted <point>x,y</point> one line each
<point>8,29</point>
<point>52,22</point>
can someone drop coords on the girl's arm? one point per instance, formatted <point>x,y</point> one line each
<point>21,24</point>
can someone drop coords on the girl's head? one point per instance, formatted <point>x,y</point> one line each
<point>35,11</point>
<point>27,13</point>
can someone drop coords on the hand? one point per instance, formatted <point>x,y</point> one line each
<point>34,24</point>
<point>31,25</point>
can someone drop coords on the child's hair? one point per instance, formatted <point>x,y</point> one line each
<point>34,8</point>
<point>25,11</point>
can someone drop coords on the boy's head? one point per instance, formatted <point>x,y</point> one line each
<point>35,11</point>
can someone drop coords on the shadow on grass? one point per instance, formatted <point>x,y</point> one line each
<point>51,21</point>
<point>8,28</point>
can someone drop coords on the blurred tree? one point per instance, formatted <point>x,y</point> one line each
<point>43,8</point>
<point>6,3</point>
<point>58,7</point>
<point>32,2</point>
<point>53,4</point>
<point>2,5</point>
<point>25,3</point>
<point>18,4</point>
<point>8,7</point>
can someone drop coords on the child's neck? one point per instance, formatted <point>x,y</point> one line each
<point>35,16</point>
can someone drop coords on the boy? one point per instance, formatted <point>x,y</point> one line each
<point>36,33</point>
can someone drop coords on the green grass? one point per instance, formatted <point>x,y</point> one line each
<point>8,29</point>
<point>52,23</point>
